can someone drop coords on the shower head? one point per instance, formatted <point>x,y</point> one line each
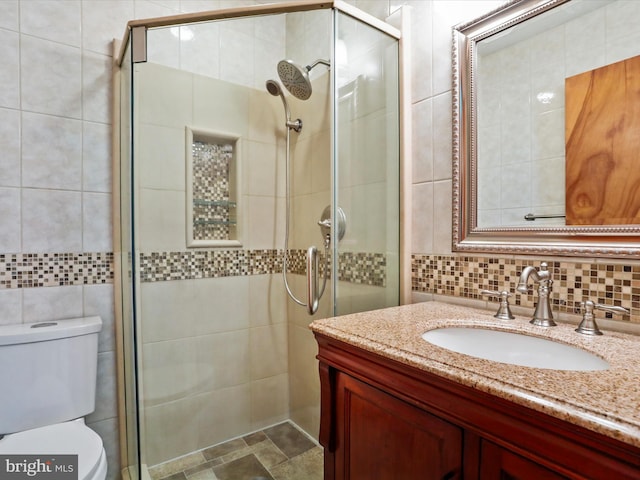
<point>274,89</point>
<point>296,78</point>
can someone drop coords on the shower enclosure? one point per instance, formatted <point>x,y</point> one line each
<point>228,176</point>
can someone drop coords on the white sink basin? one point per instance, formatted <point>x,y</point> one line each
<point>514,348</point>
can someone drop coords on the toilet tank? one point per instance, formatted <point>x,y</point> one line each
<point>47,372</point>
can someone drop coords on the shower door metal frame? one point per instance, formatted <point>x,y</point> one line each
<point>239,12</point>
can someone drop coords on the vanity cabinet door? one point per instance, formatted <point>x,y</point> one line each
<point>497,463</point>
<point>380,437</point>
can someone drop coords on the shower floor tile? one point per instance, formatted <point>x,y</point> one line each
<point>291,441</point>
<point>281,452</point>
<point>244,468</point>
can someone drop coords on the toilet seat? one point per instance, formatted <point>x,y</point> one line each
<point>72,437</point>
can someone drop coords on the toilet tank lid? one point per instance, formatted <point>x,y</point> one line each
<point>50,330</point>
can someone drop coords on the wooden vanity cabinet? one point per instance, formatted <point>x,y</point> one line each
<point>385,420</point>
<point>383,437</point>
<point>497,462</point>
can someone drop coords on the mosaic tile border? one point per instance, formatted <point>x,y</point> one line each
<point>28,270</point>
<point>461,276</point>
<point>355,267</point>
<point>363,268</point>
<point>190,265</point>
<point>464,276</point>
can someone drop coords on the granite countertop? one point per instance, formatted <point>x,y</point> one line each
<point>605,401</point>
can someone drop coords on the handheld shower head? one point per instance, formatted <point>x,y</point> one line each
<point>296,78</point>
<point>274,89</point>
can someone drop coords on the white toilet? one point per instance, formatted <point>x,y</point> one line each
<point>47,384</point>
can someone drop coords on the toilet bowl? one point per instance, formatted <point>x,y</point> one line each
<point>48,373</point>
<point>67,438</point>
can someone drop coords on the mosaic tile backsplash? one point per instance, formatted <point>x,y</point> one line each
<point>612,284</point>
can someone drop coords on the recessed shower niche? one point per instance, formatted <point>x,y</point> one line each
<point>212,189</point>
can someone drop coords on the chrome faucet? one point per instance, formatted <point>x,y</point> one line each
<point>543,316</point>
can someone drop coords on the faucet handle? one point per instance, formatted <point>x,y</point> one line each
<point>504,312</point>
<point>588,326</point>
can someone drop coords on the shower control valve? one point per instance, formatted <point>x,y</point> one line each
<point>325,223</point>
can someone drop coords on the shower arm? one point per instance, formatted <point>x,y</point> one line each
<point>318,62</point>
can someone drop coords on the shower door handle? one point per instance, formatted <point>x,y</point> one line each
<point>312,280</point>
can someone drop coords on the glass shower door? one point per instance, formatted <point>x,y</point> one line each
<point>221,350</point>
<point>366,167</point>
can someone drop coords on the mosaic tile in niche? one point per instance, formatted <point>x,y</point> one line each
<point>213,207</point>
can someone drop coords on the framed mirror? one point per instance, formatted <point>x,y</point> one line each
<point>546,115</point>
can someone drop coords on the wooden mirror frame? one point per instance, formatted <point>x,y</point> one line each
<point>615,241</point>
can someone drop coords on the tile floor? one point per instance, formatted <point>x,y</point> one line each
<point>281,452</point>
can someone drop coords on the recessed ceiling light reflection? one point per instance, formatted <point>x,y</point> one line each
<point>545,97</point>
<point>183,33</point>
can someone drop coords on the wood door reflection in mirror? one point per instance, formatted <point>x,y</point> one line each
<point>603,145</point>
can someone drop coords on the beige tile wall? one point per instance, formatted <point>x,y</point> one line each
<point>55,174</point>
<point>209,344</point>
